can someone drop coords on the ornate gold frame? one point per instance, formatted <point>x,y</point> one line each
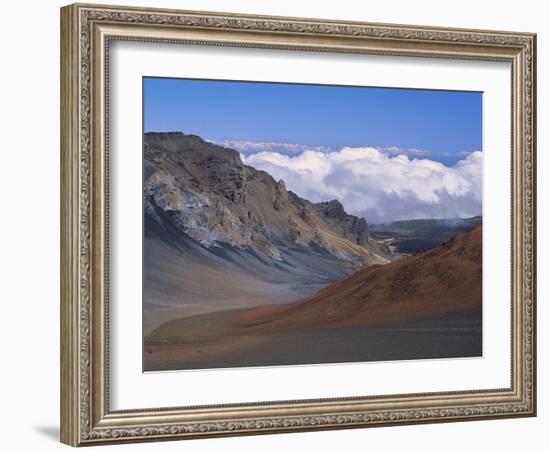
<point>86,31</point>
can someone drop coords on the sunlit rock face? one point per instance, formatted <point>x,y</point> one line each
<point>207,193</point>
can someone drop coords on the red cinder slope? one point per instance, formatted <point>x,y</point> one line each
<point>445,281</point>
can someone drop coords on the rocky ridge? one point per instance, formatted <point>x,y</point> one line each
<point>206,191</point>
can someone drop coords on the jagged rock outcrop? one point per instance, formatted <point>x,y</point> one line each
<point>351,227</point>
<point>209,194</point>
<point>281,196</point>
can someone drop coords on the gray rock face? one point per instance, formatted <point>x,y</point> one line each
<point>351,227</point>
<point>206,192</point>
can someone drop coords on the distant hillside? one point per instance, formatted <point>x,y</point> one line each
<point>410,237</point>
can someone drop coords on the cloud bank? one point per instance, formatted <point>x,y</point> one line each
<point>279,147</point>
<point>374,184</point>
<point>287,148</point>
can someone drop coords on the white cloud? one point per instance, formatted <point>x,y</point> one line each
<point>282,147</point>
<point>251,147</point>
<point>374,184</point>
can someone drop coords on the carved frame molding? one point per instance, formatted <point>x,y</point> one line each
<point>86,33</point>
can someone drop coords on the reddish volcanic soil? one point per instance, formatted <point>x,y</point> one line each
<point>423,306</point>
<point>443,280</point>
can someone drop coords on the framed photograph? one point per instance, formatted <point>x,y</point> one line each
<point>278,224</point>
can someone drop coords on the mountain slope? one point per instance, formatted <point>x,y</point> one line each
<point>209,194</point>
<point>443,283</point>
<point>220,235</point>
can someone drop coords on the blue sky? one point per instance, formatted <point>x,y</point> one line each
<point>439,122</point>
<point>386,154</point>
